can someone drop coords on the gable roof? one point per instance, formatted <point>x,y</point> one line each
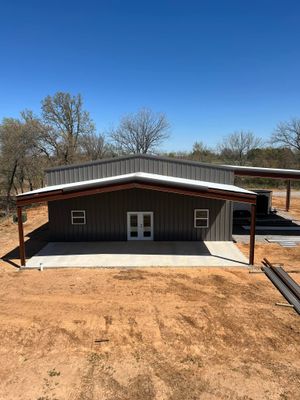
<point>145,156</point>
<point>236,169</point>
<point>141,180</point>
<point>140,176</point>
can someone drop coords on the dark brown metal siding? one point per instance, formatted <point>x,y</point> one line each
<point>119,166</point>
<point>106,216</point>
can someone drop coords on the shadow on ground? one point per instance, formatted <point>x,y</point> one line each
<point>37,239</point>
<point>275,220</point>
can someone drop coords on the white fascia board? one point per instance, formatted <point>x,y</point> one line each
<point>142,177</point>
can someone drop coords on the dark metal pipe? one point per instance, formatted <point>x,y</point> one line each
<point>288,281</point>
<point>288,195</point>
<point>252,234</point>
<point>21,237</point>
<point>283,289</point>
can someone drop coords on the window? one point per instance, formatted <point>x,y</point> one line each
<point>78,217</point>
<point>201,218</point>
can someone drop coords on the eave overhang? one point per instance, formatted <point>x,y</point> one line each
<point>135,181</point>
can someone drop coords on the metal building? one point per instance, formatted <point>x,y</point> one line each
<point>140,197</point>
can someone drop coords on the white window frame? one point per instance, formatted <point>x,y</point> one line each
<point>202,218</point>
<point>74,217</point>
<point>140,227</point>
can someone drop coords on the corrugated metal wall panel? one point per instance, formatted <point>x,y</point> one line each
<point>106,216</point>
<point>120,166</point>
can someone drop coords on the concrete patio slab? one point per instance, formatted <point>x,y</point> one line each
<point>138,254</point>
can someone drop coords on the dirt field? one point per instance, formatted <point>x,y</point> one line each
<point>179,334</point>
<point>279,203</point>
<point>290,257</point>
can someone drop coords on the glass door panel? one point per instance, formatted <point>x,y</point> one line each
<point>133,226</point>
<point>147,225</point>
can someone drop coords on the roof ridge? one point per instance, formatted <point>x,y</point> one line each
<point>130,156</point>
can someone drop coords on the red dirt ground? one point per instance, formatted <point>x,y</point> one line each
<point>290,257</point>
<point>176,334</point>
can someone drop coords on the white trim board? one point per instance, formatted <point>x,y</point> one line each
<point>140,177</point>
<point>283,240</point>
<point>273,228</point>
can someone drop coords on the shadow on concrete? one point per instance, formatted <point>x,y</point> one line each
<point>182,248</point>
<point>229,259</point>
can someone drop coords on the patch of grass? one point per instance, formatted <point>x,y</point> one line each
<point>47,398</point>
<point>192,360</point>
<point>53,372</point>
<point>94,358</point>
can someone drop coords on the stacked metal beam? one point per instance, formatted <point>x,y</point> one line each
<point>284,283</point>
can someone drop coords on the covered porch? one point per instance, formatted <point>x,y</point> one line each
<point>154,183</point>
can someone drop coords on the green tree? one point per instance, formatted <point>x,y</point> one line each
<point>201,152</point>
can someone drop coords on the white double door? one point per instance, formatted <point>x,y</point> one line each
<point>140,225</point>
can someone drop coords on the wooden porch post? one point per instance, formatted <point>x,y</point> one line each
<point>21,237</point>
<point>252,234</point>
<point>288,195</point>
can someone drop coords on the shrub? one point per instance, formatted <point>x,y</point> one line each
<point>24,217</point>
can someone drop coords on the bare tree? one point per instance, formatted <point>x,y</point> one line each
<point>237,146</point>
<point>94,147</point>
<point>288,134</point>
<point>142,132</point>
<point>65,122</point>
<point>18,145</point>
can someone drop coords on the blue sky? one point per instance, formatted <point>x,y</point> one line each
<point>212,66</point>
